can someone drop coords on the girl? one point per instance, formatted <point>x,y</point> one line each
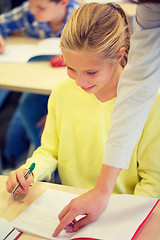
<point>95,44</point>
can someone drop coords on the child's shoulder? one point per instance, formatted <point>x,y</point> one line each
<point>154,114</point>
<point>156,104</point>
<point>74,3</point>
<point>23,7</point>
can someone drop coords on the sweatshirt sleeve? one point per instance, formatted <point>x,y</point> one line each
<point>45,157</point>
<point>137,88</point>
<point>148,155</point>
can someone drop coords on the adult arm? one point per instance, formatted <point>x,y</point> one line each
<point>137,88</point>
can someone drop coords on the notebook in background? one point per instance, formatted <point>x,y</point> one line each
<point>121,219</point>
<point>22,53</point>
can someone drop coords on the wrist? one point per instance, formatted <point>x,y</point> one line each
<point>107,179</point>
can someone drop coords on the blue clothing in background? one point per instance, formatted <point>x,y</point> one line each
<point>12,153</point>
<point>21,19</point>
<point>3,96</point>
<point>32,107</point>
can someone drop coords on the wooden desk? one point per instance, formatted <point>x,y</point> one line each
<point>11,207</point>
<point>37,77</point>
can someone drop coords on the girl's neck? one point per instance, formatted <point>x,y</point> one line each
<point>110,90</point>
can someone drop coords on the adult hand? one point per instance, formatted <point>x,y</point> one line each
<point>90,204</point>
<point>2,45</point>
<point>17,176</point>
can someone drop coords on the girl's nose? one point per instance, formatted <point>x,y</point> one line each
<point>80,81</point>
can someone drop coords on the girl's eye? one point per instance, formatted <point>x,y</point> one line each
<point>91,73</point>
<point>70,68</point>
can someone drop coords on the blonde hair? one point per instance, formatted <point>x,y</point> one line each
<point>99,28</point>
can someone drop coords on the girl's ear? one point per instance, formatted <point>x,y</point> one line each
<point>120,54</point>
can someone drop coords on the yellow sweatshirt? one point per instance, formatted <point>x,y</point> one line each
<point>74,137</point>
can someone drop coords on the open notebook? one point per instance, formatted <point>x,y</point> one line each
<point>7,231</point>
<point>121,220</point>
<point>22,53</point>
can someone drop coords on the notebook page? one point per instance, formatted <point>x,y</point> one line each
<point>41,217</point>
<point>15,53</point>
<point>121,218</point>
<point>6,229</point>
<point>22,53</point>
<point>48,46</point>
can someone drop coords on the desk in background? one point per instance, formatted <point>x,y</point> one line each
<point>38,77</point>
<point>11,207</point>
<point>35,77</point>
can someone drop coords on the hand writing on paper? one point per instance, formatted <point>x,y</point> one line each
<point>90,204</point>
<point>2,44</point>
<point>16,177</point>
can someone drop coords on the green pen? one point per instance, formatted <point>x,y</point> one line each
<point>30,169</point>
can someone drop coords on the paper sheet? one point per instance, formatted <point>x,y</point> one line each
<point>22,53</point>
<point>41,217</point>
<point>120,220</point>
<point>6,229</point>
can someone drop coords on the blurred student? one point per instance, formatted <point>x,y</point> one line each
<point>95,44</point>
<point>38,19</point>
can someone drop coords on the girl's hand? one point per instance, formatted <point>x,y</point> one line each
<point>17,176</point>
<point>2,45</point>
<point>90,204</point>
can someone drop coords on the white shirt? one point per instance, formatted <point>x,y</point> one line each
<point>137,87</point>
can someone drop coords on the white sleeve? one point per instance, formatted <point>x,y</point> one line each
<point>137,88</point>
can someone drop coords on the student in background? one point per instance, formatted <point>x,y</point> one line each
<point>38,19</point>
<point>95,44</point>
